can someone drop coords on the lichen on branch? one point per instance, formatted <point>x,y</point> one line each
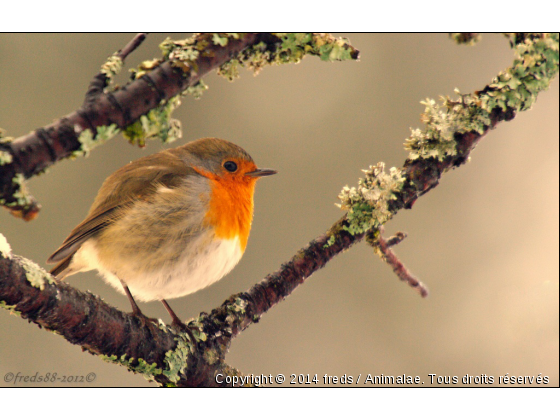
<point>289,48</point>
<point>89,141</point>
<point>534,67</point>
<point>157,124</point>
<point>112,66</point>
<point>368,204</point>
<point>451,130</point>
<point>443,122</point>
<point>184,55</point>
<point>142,110</point>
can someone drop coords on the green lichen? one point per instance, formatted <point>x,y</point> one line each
<point>218,40</point>
<point>34,274</point>
<point>163,326</point>
<point>169,45</point>
<point>330,241</point>
<point>21,194</point>
<point>329,48</point>
<point>289,48</point>
<point>296,45</point>
<point>534,67</point>
<point>183,53</point>
<point>211,356</point>
<point>222,38</point>
<point>443,123</point>
<point>88,141</point>
<point>176,359</point>
<point>113,359</point>
<point>198,334</point>
<point>105,133</point>
<point>156,124</point>
<point>4,138</point>
<point>197,90</point>
<point>238,307</point>
<point>112,66</point>
<point>11,308</point>
<point>514,89</point>
<point>230,69</point>
<point>5,248</point>
<point>189,49</point>
<point>368,204</point>
<point>21,203</point>
<point>148,370</point>
<point>5,158</point>
<point>144,67</point>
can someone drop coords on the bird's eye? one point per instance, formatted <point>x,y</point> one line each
<point>230,166</point>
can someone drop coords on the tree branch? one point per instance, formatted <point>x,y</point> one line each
<point>158,83</point>
<point>33,153</point>
<point>131,46</point>
<point>152,350</point>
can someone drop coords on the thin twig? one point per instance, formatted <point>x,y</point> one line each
<point>132,45</point>
<point>382,247</point>
<point>396,239</point>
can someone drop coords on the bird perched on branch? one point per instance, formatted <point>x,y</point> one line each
<point>168,224</point>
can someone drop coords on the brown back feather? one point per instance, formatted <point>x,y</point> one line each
<point>136,181</point>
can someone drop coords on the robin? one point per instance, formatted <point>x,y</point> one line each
<point>168,224</point>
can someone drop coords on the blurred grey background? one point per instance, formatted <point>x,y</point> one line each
<point>485,241</point>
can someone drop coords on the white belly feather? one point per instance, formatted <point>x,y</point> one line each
<point>204,261</point>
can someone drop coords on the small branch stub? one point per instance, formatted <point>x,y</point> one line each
<point>382,248</point>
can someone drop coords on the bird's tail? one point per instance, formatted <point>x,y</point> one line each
<point>61,270</point>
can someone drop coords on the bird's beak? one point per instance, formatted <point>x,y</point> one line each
<point>261,172</point>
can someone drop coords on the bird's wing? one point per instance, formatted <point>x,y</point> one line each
<point>136,181</point>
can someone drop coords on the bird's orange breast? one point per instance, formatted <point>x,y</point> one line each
<point>230,209</point>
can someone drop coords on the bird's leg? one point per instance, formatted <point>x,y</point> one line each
<point>136,312</point>
<point>135,309</point>
<point>176,322</point>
